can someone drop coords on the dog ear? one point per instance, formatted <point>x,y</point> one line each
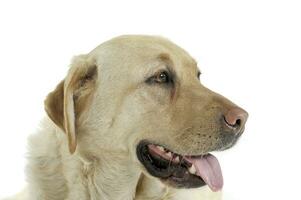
<point>67,103</point>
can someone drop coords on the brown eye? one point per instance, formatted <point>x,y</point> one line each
<point>162,77</point>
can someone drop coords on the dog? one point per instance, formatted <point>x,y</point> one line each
<point>131,120</point>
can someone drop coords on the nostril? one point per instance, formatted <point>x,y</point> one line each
<point>236,118</point>
<point>238,122</point>
<point>234,124</point>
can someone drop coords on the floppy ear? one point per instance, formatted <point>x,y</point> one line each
<point>67,103</point>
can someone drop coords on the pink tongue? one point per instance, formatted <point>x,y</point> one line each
<point>209,169</point>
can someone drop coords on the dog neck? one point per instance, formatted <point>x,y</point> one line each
<point>105,176</point>
<point>109,177</point>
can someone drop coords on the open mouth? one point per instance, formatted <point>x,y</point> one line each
<point>180,171</point>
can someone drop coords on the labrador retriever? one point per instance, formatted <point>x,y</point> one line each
<point>131,120</point>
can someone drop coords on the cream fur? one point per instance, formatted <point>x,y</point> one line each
<point>118,114</point>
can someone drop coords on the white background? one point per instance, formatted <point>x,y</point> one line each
<point>250,51</point>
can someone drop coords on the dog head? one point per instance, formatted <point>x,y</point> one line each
<point>141,96</point>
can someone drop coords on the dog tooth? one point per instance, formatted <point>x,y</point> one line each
<point>169,154</point>
<point>192,169</point>
<point>177,159</point>
<point>160,148</point>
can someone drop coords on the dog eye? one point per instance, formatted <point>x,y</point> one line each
<point>161,77</point>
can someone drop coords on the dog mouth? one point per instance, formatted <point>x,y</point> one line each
<point>180,171</point>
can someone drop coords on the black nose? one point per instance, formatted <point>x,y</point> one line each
<point>235,119</point>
